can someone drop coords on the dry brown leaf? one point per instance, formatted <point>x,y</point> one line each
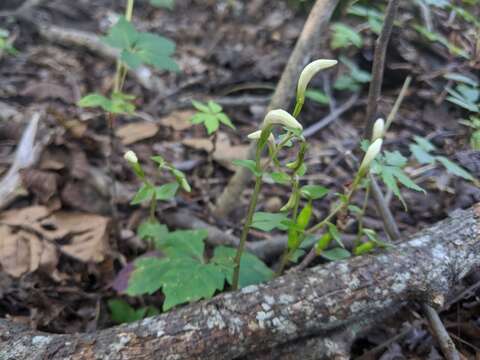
<point>225,153</point>
<point>132,133</point>
<point>178,120</point>
<point>199,144</point>
<point>31,238</point>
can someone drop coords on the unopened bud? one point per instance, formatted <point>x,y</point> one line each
<point>372,152</point>
<point>283,118</point>
<point>256,136</point>
<point>378,129</point>
<point>309,72</point>
<point>130,156</point>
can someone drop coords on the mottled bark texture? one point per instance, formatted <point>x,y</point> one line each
<point>305,312</point>
<point>308,42</point>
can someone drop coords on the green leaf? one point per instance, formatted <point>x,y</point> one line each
<point>145,193</point>
<point>121,312</point>
<point>364,248</point>
<point>461,78</point>
<point>344,36</point>
<point>183,243</point>
<point>336,254</point>
<point>317,96</point>
<point>189,282</point>
<point>225,120</point>
<point>152,230</point>
<point>280,177</point>
<point>119,104</point>
<point>454,169</point>
<point>268,221</point>
<point>156,50</point>
<point>93,100</point>
<point>314,192</point>
<point>333,230</point>
<point>211,123</point>
<point>249,164</point>
<point>132,60</point>
<point>163,3</point>
<point>166,191</point>
<point>122,35</point>
<point>422,156</point>
<point>181,279</point>
<point>252,269</point>
<point>395,158</point>
<point>214,107</point>
<point>200,106</point>
<point>405,180</point>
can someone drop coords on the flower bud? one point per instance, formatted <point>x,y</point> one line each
<point>256,136</point>
<point>185,185</point>
<point>378,129</point>
<point>309,72</point>
<point>372,152</point>
<point>283,118</point>
<point>131,157</point>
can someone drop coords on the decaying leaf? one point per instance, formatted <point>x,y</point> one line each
<point>178,120</point>
<point>132,133</point>
<point>32,238</point>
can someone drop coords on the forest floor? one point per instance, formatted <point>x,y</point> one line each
<point>232,53</point>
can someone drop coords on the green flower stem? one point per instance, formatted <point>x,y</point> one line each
<point>121,70</point>
<point>153,208</point>
<point>298,107</point>
<point>362,214</point>
<point>246,228</point>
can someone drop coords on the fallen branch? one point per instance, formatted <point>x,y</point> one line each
<point>315,312</point>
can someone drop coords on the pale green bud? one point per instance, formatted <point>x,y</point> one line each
<point>372,152</point>
<point>185,185</point>
<point>131,157</point>
<point>309,72</point>
<point>378,129</point>
<point>283,118</point>
<point>256,135</point>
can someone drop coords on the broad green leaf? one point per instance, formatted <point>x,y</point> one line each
<point>189,282</point>
<point>183,243</point>
<point>249,164</point>
<point>146,277</point>
<point>454,168</point>
<point>152,230</point>
<point>252,269</point>
<point>268,221</point>
<point>336,254</point>
<point>122,35</point>
<point>94,100</point>
<point>132,60</point>
<point>163,3</point>
<point>156,50</point>
<point>145,193</point>
<point>314,192</point>
<point>166,191</point>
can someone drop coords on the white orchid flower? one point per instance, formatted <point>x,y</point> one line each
<point>309,72</point>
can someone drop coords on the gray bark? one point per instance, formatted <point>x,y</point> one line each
<point>310,315</point>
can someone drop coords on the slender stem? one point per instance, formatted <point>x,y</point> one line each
<point>129,10</point>
<point>121,70</point>
<point>246,228</point>
<point>153,208</point>
<point>362,214</point>
<point>298,107</point>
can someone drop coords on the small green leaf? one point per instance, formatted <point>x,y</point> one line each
<point>145,193</point>
<point>166,191</point>
<point>211,123</point>
<point>93,100</point>
<point>317,96</point>
<point>249,164</point>
<point>280,177</point>
<point>268,221</point>
<point>395,158</point>
<point>314,192</point>
<point>454,169</point>
<point>364,248</point>
<point>200,106</point>
<point>344,36</point>
<point>424,143</point>
<point>163,3</point>
<point>122,35</point>
<point>336,254</point>
<point>214,107</point>
<point>323,243</point>
<point>121,312</point>
<point>225,120</point>
<point>333,230</point>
